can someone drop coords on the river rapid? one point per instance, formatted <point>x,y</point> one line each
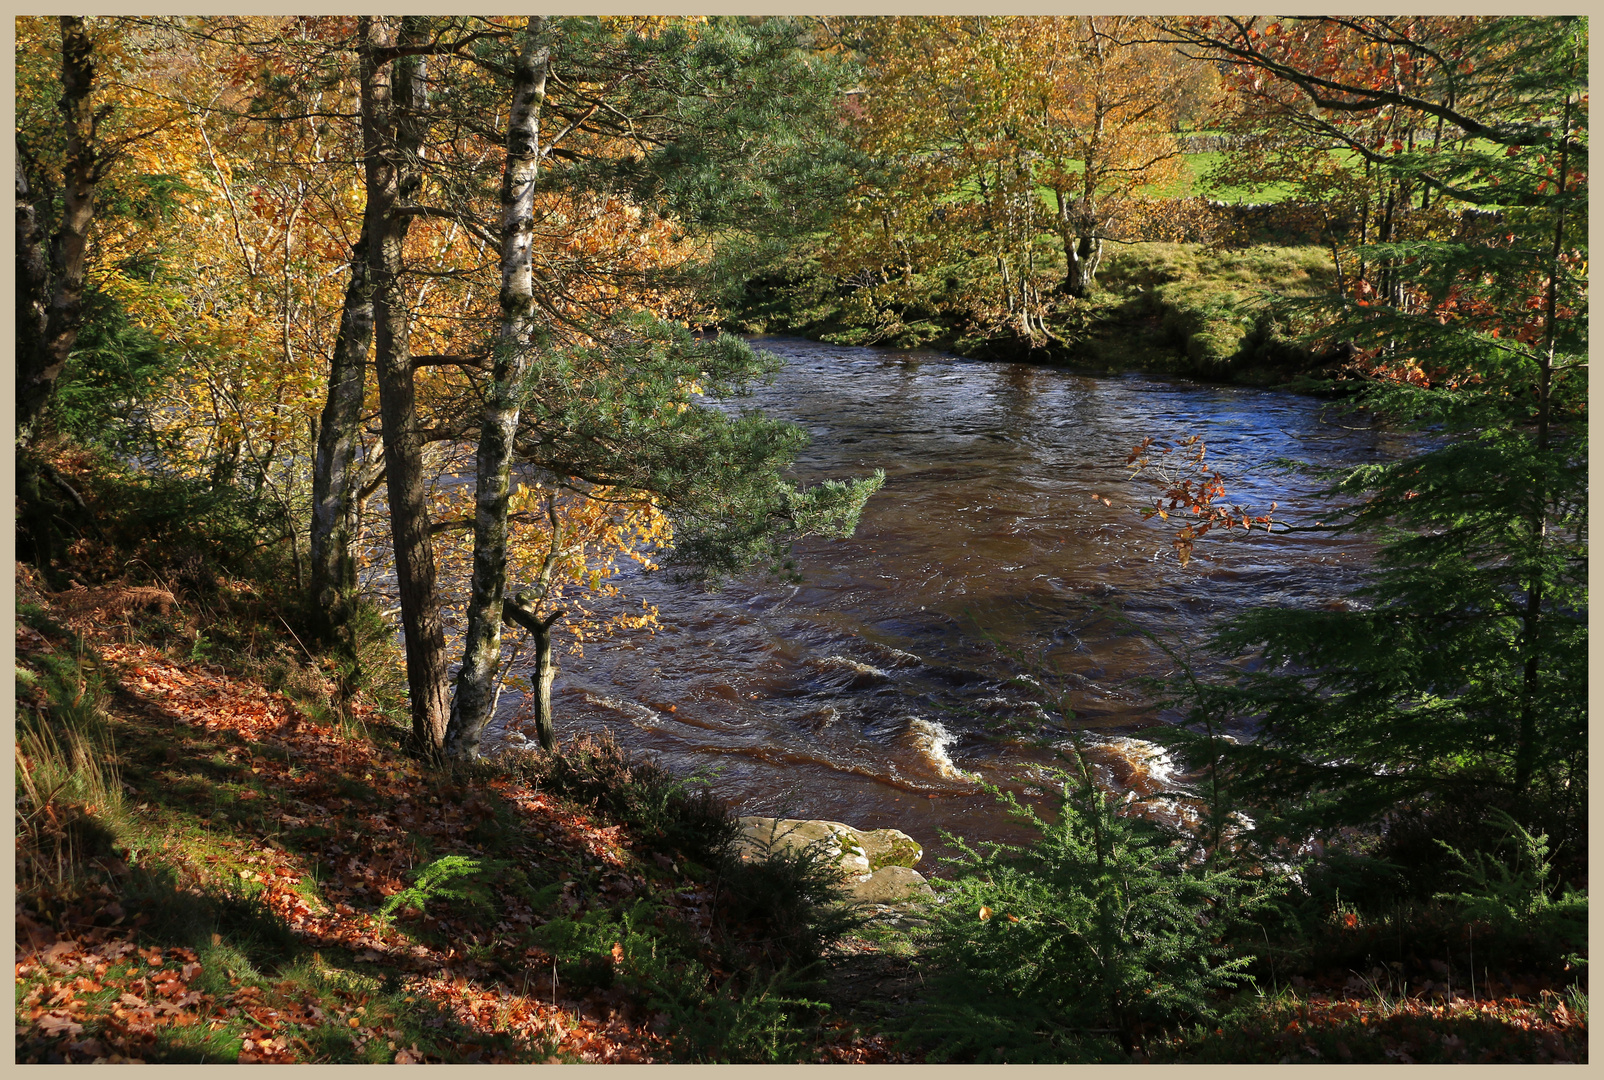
<point>875,691</point>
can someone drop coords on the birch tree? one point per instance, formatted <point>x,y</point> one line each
<point>472,703</point>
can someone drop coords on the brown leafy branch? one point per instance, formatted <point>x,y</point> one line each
<point>1192,491</point>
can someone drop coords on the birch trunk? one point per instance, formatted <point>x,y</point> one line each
<point>475,693</point>
<point>393,96</point>
<point>520,612</point>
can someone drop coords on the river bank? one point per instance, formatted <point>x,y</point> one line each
<point>1211,313</point>
<point>225,856</point>
<point>225,862</point>
<point>250,883</point>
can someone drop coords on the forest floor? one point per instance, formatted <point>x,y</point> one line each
<point>232,914</point>
<point>221,902</point>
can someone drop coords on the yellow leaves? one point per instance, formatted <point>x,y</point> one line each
<point>594,531</point>
<point>995,124</point>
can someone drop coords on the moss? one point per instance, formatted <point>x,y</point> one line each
<point>889,847</point>
<point>899,853</point>
<point>1202,311</point>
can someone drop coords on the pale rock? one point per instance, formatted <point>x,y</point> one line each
<point>877,864</point>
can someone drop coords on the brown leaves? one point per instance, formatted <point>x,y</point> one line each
<point>1189,486</point>
<point>149,996</point>
<point>57,1023</point>
<point>261,1048</point>
<point>101,995</point>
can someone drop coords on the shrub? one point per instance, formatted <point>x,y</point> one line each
<point>666,812</point>
<point>1068,949</point>
<point>752,1016</point>
<point>790,902</point>
<point>1512,895</point>
<point>187,530</point>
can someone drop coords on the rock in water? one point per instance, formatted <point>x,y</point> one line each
<point>891,885</point>
<point>890,847</point>
<point>877,864</point>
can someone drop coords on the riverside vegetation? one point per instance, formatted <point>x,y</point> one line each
<point>253,827</point>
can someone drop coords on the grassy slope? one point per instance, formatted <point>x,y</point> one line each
<point>1186,308</point>
<point>220,899</point>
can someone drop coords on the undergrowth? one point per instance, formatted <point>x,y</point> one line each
<point>147,820</point>
<point>1080,945</point>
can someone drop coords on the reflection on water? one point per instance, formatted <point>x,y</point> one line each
<point>870,692</point>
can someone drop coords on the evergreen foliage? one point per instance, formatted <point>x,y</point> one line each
<point>1515,895</point>
<point>629,412</point>
<point>1456,677</point>
<point>1063,950</point>
<point>433,882</point>
<point>110,378</point>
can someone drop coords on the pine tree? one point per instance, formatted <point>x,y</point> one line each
<point>1456,678</point>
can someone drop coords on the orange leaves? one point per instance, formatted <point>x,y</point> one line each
<point>1191,487</point>
<point>127,1022</point>
<point>100,995</point>
<point>260,1048</point>
<point>201,697</point>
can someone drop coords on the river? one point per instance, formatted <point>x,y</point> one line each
<point>870,693</point>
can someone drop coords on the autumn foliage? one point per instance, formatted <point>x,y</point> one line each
<point>232,846</point>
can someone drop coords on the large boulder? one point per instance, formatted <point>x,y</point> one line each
<point>890,886</point>
<point>876,864</point>
<point>858,851</point>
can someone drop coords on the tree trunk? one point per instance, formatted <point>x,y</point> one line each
<point>45,343</point>
<point>1086,255</point>
<point>393,96</point>
<point>545,672</point>
<point>334,471</point>
<point>1082,253</point>
<point>1532,625</point>
<point>518,611</point>
<point>33,297</point>
<point>471,707</point>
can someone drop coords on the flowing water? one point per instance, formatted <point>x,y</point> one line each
<point>874,691</point>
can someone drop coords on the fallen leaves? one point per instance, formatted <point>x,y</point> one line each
<point>1324,1021</point>
<point>102,993</point>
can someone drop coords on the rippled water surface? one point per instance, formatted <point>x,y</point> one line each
<point>868,693</point>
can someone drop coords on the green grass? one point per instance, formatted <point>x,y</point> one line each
<point>1193,181</point>
<point>1204,311</point>
<point>1198,167</point>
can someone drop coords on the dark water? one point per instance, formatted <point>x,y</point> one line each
<point>869,693</point>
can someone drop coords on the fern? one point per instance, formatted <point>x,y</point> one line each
<point>1513,895</point>
<point>432,882</point>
